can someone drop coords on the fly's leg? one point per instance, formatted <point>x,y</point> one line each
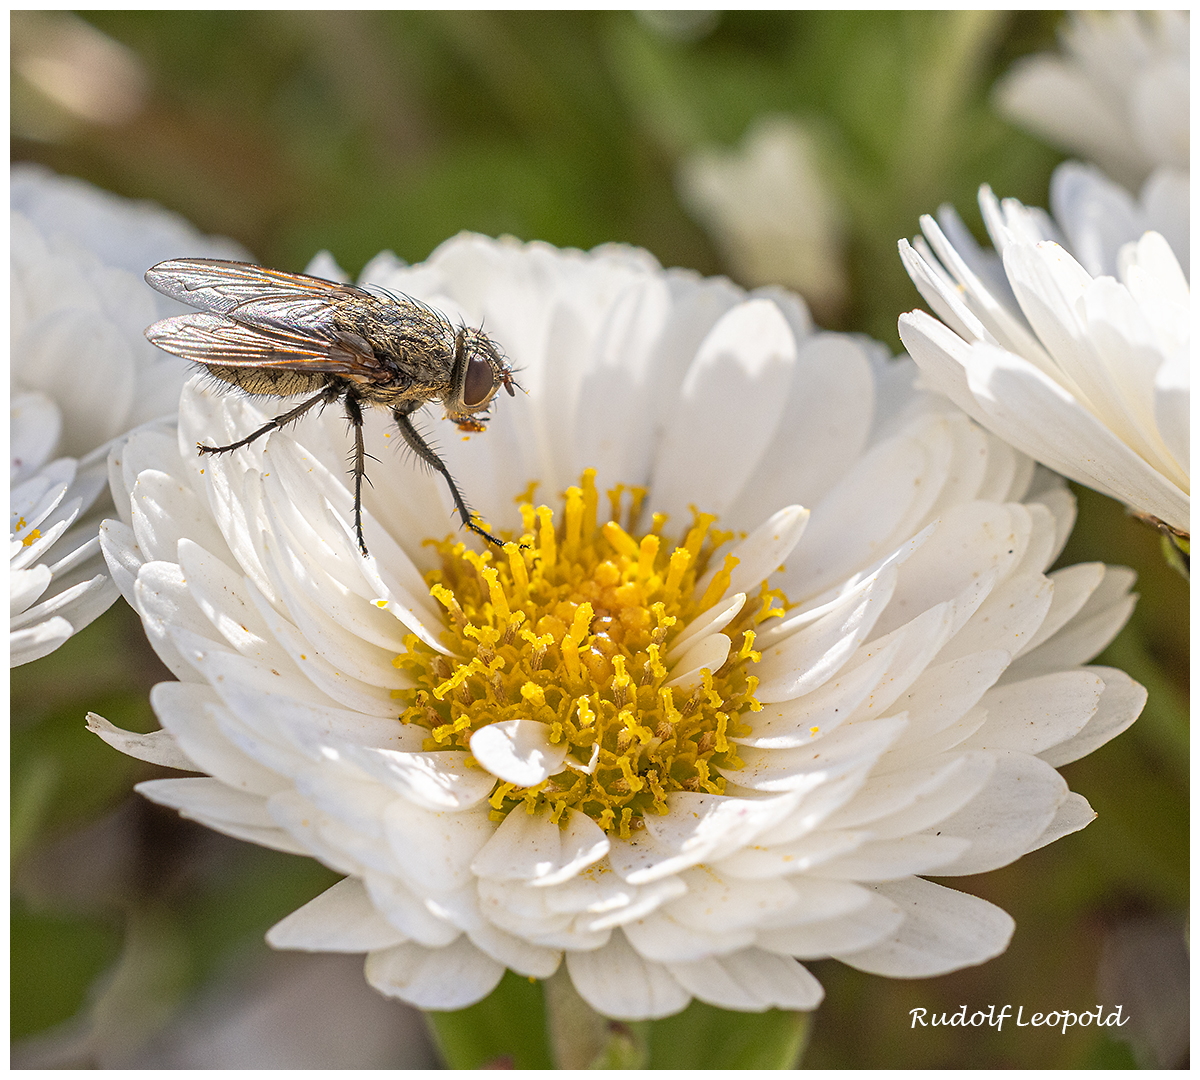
<point>359,468</point>
<point>330,393</point>
<point>423,450</point>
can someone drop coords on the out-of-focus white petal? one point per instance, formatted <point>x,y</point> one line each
<point>444,979</point>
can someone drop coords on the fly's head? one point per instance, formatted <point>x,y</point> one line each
<point>479,373</point>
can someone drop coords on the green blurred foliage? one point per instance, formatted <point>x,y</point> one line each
<point>486,1036</point>
<point>358,131</point>
<point>53,963</point>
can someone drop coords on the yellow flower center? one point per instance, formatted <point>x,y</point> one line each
<point>572,627</point>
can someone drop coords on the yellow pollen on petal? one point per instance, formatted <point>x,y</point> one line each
<point>33,535</point>
<point>571,627</point>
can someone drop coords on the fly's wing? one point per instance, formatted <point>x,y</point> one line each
<point>268,299</point>
<point>218,340</point>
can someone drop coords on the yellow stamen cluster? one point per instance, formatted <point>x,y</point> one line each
<point>571,627</point>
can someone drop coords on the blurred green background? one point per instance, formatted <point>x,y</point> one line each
<point>359,131</point>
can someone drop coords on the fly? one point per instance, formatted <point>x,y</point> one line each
<point>276,334</point>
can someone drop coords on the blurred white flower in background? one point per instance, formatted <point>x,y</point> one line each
<point>773,216</point>
<point>677,759</point>
<point>1086,368</point>
<point>81,374</point>
<point>1119,95</point>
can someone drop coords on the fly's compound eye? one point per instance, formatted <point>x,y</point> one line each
<point>479,385</point>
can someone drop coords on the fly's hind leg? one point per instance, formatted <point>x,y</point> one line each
<point>330,393</point>
<point>425,452</point>
<point>359,467</point>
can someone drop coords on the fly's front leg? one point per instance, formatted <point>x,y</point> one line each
<point>425,452</point>
<point>330,393</point>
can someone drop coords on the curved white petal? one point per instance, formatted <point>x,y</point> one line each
<point>530,847</point>
<point>943,930</point>
<point>618,982</point>
<point>448,978</point>
<point>341,919</point>
<point>750,981</point>
<point>519,751</point>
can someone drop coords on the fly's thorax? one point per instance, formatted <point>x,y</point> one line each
<point>406,337</point>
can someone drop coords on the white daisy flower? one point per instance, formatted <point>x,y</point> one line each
<point>81,374</point>
<point>1118,96</point>
<point>1083,372</point>
<point>678,759</point>
<point>770,211</point>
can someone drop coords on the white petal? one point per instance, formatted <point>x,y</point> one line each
<point>707,654</point>
<point>896,858</point>
<point>788,724</point>
<point>799,664</point>
<point>750,981</point>
<point>170,616</point>
<point>762,552</point>
<point>1072,587</point>
<point>158,747</point>
<point>192,713</point>
<point>443,979</point>
<point>746,361</point>
<point>436,850</point>
<point>617,982</point>
<point>943,930</point>
<point>518,751</point>
<point>1120,704</point>
<point>1074,814</point>
<point>663,939</point>
<point>341,919</point>
<point>35,424</point>
<point>165,509</point>
<point>223,809</point>
<point>866,925</point>
<point>1016,805</point>
<point>715,903</point>
<point>852,526</point>
<point>25,646</point>
<point>326,839</point>
<point>1034,715</point>
<point>823,760</point>
<point>532,961</point>
<point>970,541</point>
<point>530,847</point>
<point>1011,614</point>
<point>409,913</point>
<point>1087,633</point>
<point>712,621</point>
<point>899,802</point>
<point>122,555</point>
<point>697,828</point>
<point>25,586</point>
<point>335,684</point>
<point>821,432</point>
<point>435,780</point>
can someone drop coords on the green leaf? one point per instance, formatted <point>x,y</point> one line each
<point>704,1037</point>
<point>507,1029</point>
